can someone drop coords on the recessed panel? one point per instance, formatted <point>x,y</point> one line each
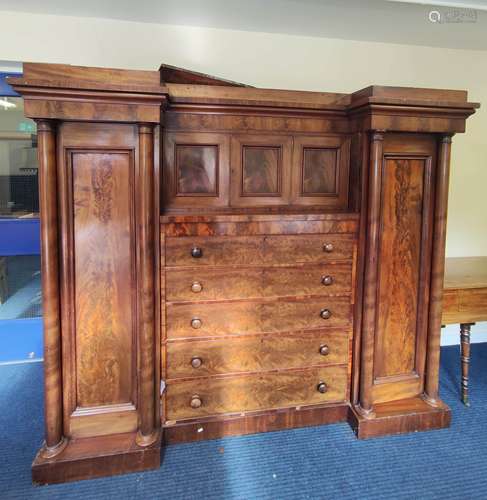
<point>399,268</point>
<point>319,171</point>
<point>103,277</point>
<point>261,171</point>
<point>196,170</point>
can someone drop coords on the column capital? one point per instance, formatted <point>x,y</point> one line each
<point>377,135</point>
<point>45,125</point>
<point>146,128</point>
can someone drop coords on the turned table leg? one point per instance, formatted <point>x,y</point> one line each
<point>465,358</point>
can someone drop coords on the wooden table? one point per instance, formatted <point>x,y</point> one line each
<point>465,302</point>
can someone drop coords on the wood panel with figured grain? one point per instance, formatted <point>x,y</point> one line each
<point>400,253</point>
<point>258,250</point>
<point>264,352</point>
<point>320,173</point>
<point>236,394</point>
<point>104,276</point>
<point>404,265</point>
<point>243,283</point>
<point>196,170</point>
<point>258,316</point>
<point>260,170</point>
<point>250,225</point>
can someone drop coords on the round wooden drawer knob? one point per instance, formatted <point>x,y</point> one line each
<point>196,323</point>
<point>196,252</point>
<point>196,362</point>
<point>328,247</point>
<point>322,387</point>
<point>196,287</point>
<point>324,350</point>
<point>195,402</point>
<point>327,280</point>
<point>325,313</point>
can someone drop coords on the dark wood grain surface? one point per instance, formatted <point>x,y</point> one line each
<point>256,316</point>
<point>260,170</point>
<point>242,283</point>
<point>104,316</point>
<point>259,250</point>
<point>255,392</point>
<point>48,201</point>
<point>250,224</point>
<point>399,254</point>
<point>256,353</point>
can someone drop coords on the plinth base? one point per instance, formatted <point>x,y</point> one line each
<point>399,417</point>
<point>100,456</point>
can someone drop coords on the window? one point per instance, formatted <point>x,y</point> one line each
<point>20,283</point>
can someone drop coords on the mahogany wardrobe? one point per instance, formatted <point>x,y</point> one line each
<point>219,259</point>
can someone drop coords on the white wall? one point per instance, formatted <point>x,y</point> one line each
<point>282,61</point>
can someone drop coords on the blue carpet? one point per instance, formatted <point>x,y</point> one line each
<point>314,462</point>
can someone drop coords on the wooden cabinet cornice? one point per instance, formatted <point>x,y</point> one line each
<point>219,259</point>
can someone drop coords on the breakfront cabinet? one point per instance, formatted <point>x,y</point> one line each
<point>219,260</point>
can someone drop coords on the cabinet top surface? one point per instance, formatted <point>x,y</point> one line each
<point>182,86</point>
<point>466,272</point>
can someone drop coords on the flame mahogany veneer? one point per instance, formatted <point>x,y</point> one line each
<point>220,260</point>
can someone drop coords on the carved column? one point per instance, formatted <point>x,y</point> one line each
<point>437,272</point>
<point>53,406</point>
<point>148,430</point>
<point>370,278</point>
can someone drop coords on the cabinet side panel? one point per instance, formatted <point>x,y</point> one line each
<point>400,254</point>
<point>404,266</point>
<point>104,276</point>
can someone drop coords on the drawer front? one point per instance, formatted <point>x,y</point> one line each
<point>257,250</point>
<point>205,284</point>
<point>233,318</point>
<point>205,397</point>
<point>256,353</point>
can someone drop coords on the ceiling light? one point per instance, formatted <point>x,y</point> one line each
<point>7,104</point>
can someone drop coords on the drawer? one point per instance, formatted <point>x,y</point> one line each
<point>213,396</point>
<point>257,250</point>
<point>202,358</point>
<point>233,318</point>
<point>232,283</point>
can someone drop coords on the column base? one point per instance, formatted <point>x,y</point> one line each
<point>93,457</point>
<point>50,452</point>
<point>399,417</point>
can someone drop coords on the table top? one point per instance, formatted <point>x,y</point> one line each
<point>465,272</point>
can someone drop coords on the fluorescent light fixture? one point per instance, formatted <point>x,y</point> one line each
<point>6,103</point>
